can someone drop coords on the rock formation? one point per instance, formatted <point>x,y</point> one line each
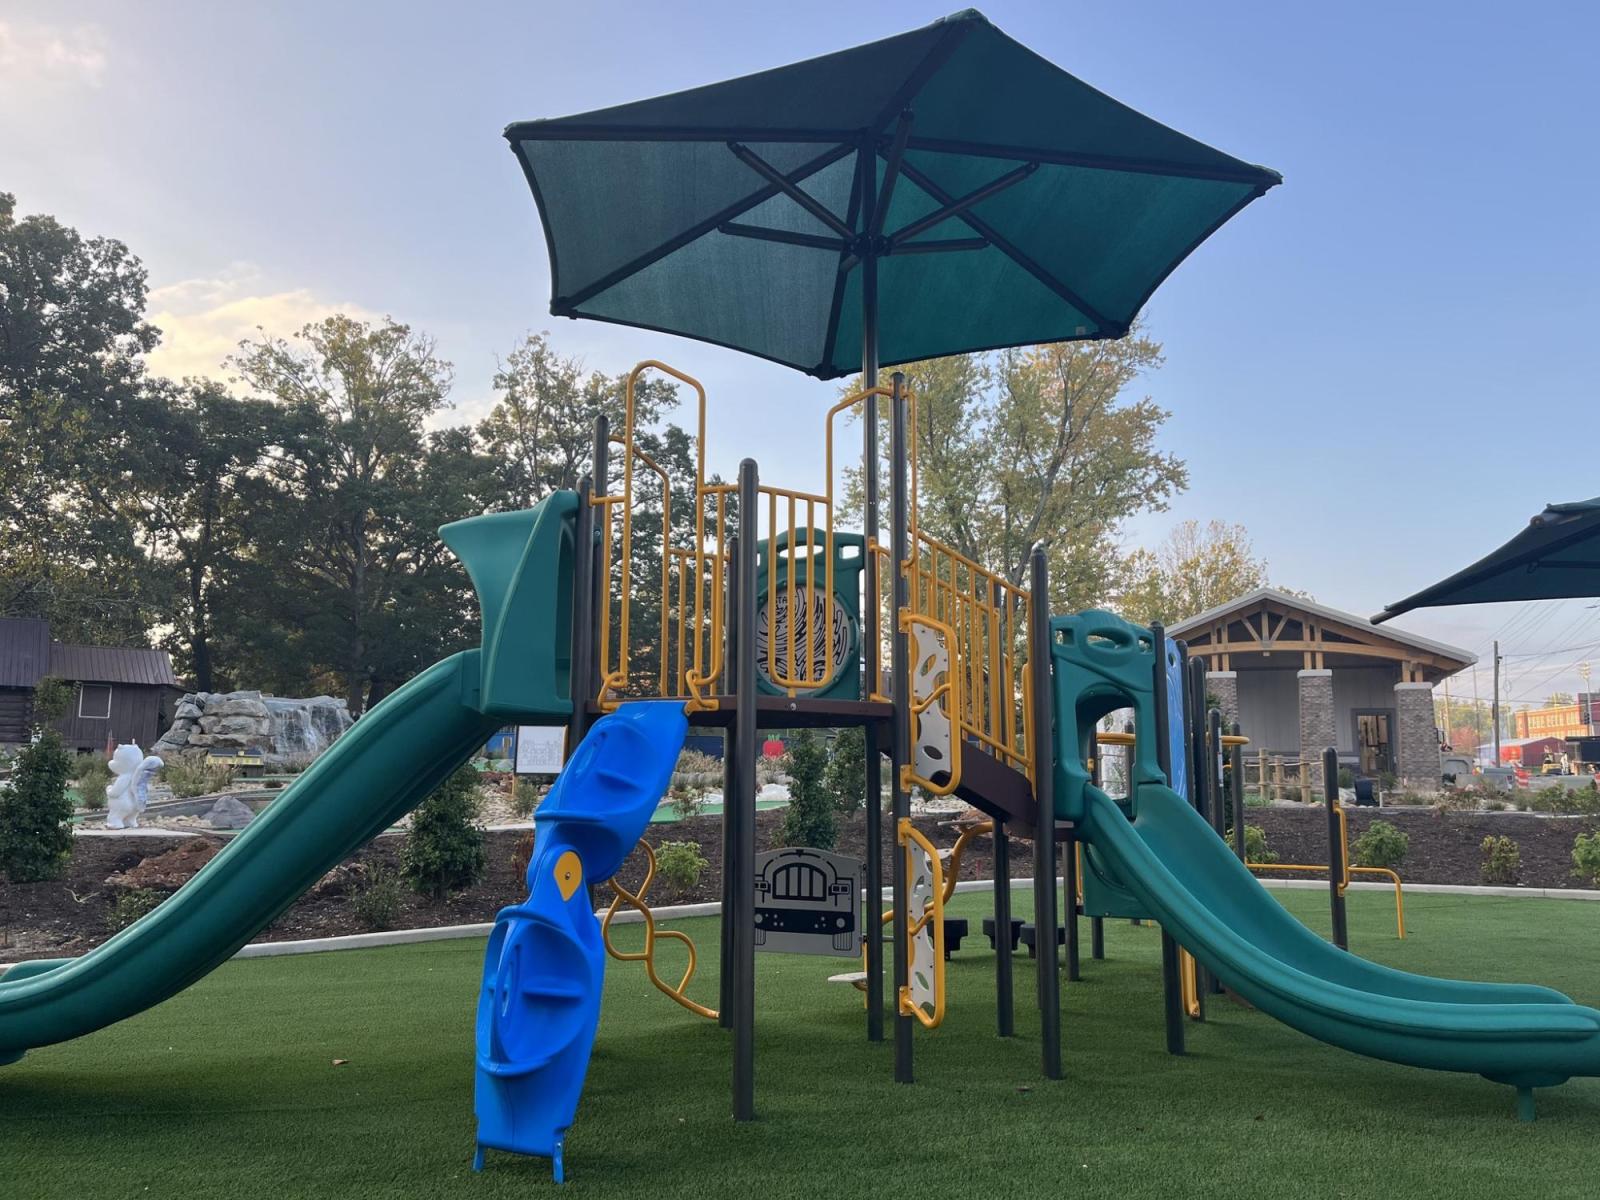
<point>283,731</point>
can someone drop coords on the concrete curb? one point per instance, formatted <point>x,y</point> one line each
<point>674,912</point>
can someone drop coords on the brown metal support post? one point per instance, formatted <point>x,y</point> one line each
<point>730,788</point>
<point>1236,786</point>
<point>872,639</point>
<point>1336,848</point>
<point>900,689</point>
<point>743,802</point>
<point>584,615</point>
<point>1044,834</point>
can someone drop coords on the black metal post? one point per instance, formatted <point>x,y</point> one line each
<point>1236,786</point>
<point>1336,848</point>
<point>1097,925</point>
<point>1171,985</point>
<point>900,687</point>
<point>730,789</point>
<point>1005,1007</point>
<point>1194,728</point>
<point>1215,792</point>
<point>743,803</point>
<point>584,615</point>
<point>1069,903</point>
<point>601,461</point>
<point>1044,834</point>
<point>867,181</point>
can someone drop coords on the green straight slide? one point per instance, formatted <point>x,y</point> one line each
<point>383,767</point>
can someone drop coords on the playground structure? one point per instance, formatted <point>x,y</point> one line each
<point>776,614</point>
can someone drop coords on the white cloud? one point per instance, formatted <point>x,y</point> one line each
<point>34,55</point>
<point>203,320</point>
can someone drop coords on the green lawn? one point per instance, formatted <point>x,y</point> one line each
<point>229,1089</point>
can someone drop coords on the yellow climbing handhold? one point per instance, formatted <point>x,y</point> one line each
<point>569,874</point>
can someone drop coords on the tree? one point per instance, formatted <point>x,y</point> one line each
<point>1193,569</point>
<point>72,332</point>
<point>1559,699</point>
<point>1044,445</point>
<point>809,819</point>
<point>202,498</point>
<point>35,811</point>
<point>846,776</point>
<point>444,851</point>
<point>349,561</point>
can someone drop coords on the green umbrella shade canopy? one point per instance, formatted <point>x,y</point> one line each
<point>1002,201</point>
<point>1555,558</point>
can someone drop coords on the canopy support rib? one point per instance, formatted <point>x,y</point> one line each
<point>801,197</point>
<point>1105,326</point>
<point>786,236</point>
<point>564,306</point>
<point>956,208</point>
<point>891,172</point>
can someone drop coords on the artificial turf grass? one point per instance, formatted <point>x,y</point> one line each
<point>229,1089</point>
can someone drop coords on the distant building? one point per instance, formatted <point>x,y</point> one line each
<point>125,694</point>
<point>1523,751</point>
<point>1560,720</point>
<point>1299,676</point>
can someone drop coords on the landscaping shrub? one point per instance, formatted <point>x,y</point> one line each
<point>1502,860</point>
<point>445,852</point>
<point>1347,777</point>
<point>1255,845</point>
<point>680,865</point>
<point>1565,801</point>
<point>92,774</point>
<point>525,797</point>
<point>772,770</point>
<point>52,699</point>
<point>809,820</point>
<point>846,774</point>
<point>1382,845</point>
<point>1586,857</point>
<point>377,903</point>
<point>129,906</point>
<point>188,777</point>
<point>36,812</point>
<point>686,801</point>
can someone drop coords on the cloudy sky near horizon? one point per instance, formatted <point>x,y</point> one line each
<point>1382,369</point>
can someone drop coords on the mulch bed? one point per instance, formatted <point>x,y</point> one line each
<point>70,916</point>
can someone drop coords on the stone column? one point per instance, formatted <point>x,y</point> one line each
<point>1416,737</point>
<point>1317,730</point>
<point>1223,687</point>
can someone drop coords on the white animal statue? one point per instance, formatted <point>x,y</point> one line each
<point>129,793</point>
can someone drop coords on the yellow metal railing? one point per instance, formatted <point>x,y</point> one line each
<point>652,934</point>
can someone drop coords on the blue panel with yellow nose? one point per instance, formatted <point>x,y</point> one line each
<point>544,969</point>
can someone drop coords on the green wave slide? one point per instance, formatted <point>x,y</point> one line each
<point>1171,860</point>
<point>520,564</point>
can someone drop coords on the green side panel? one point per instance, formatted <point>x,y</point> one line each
<point>521,565</point>
<point>377,772</point>
<point>773,569</point>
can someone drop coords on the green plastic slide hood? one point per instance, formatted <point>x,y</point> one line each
<point>521,565</point>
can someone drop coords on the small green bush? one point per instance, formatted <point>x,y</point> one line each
<point>810,818</point>
<point>52,699</point>
<point>1255,845</point>
<point>188,777</point>
<point>846,775</point>
<point>36,812</point>
<point>129,906</point>
<point>1502,860</point>
<point>1347,777</point>
<point>1382,845</point>
<point>687,801</point>
<point>680,864</point>
<point>92,774</point>
<point>1586,857</point>
<point>525,797</point>
<point>377,903</point>
<point>444,852</point>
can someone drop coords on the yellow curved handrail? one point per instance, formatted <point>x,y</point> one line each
<point>648,955</point>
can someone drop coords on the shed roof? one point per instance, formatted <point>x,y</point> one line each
<point>112,664</point>
<point>24,650</point>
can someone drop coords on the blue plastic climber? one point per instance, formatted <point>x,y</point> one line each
<point>544,969</point>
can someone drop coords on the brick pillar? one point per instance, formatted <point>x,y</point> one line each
<point>1223,686</point>
<point>1317,731</point>
<point>1416,738</point>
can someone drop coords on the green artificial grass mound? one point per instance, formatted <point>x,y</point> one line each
<point>231,1090</point>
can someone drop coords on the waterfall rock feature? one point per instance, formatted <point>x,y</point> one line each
<point>284,731</point>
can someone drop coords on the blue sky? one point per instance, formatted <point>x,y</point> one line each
<point>1381,369</point>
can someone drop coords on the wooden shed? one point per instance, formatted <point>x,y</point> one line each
<point>125,693</point>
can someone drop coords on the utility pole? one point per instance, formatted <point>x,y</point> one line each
<point>1494,708</point>
<point>1585,698</point>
